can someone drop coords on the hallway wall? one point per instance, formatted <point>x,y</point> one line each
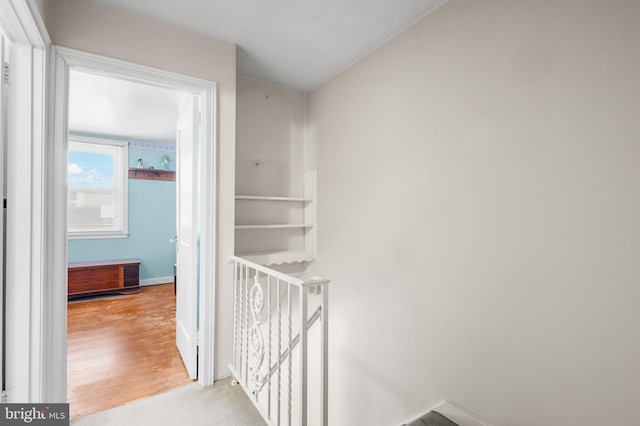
<point>478,205</point>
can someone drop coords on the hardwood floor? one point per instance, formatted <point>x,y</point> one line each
<point>121,348</point>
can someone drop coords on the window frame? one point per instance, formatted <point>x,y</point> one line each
<point>120,182</point>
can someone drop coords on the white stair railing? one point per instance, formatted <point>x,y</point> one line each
<point>274,340</point>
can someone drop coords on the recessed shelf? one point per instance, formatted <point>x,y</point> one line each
<point>280,226</point>
<point>260,208</point>
<point>269,198</point>
<point>279,257</point>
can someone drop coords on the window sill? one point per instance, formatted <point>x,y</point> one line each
<point>96,235</point>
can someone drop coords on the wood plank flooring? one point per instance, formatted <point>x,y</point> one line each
<point>122,348</point>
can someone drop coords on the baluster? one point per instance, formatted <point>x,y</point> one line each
<point>257,339</point>
<point>241,320</point>
<point>246,327</point>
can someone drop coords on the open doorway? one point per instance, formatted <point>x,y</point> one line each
<point>121,210</point>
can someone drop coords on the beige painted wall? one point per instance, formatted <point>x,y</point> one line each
<point>269,161</point>
<point>479,196</point>
<point>96,28</point>
<point>270,133</point>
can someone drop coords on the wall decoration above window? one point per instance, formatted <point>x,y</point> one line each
<point>152,145</point>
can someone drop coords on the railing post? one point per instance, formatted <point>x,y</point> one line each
<point>324,354</point>
<point>279,307</point>
<point>235,315</point>
<point>303,355</point>
<point>270,319</point>
<point>289,358</point>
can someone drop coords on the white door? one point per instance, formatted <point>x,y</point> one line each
<point>187,233</point>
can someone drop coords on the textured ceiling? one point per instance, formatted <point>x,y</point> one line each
<point>293,43</point>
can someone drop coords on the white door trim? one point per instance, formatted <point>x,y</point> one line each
<point>3,141</point>
<point>25,282</point>
<point>64,59</point>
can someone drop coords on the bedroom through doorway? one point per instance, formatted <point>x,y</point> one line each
<point>122,347</point>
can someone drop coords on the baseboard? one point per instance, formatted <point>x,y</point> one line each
<point>459,415</point>
<point>156,281</point>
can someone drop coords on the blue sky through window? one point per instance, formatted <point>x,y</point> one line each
<point>90,169</point>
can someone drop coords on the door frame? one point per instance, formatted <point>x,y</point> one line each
<point>64,59</point>
<point>26,334</point>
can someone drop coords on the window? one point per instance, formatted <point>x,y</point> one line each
<point>97,195</point>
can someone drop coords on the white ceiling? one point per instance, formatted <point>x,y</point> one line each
<point>293,43</point>
<point>108,106</point>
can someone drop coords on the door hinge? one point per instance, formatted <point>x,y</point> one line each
<point>5,73</point>
<point>4,397</point>
<point>200,118</point>
<point>198,338</point>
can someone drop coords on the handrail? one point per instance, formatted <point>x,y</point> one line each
<point>311,282</point>
<point>267,271</point>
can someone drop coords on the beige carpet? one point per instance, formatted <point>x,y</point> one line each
<point>218,405</point>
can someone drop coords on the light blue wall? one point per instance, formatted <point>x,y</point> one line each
<point>152,222</point>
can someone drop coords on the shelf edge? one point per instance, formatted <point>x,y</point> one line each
<point>282,226</point>
<point>279,257</point>
<point>271,198</point>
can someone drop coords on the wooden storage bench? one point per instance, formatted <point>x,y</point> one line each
<point>105,277</point>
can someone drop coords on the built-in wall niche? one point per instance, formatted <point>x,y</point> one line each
<point>277,229</point>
